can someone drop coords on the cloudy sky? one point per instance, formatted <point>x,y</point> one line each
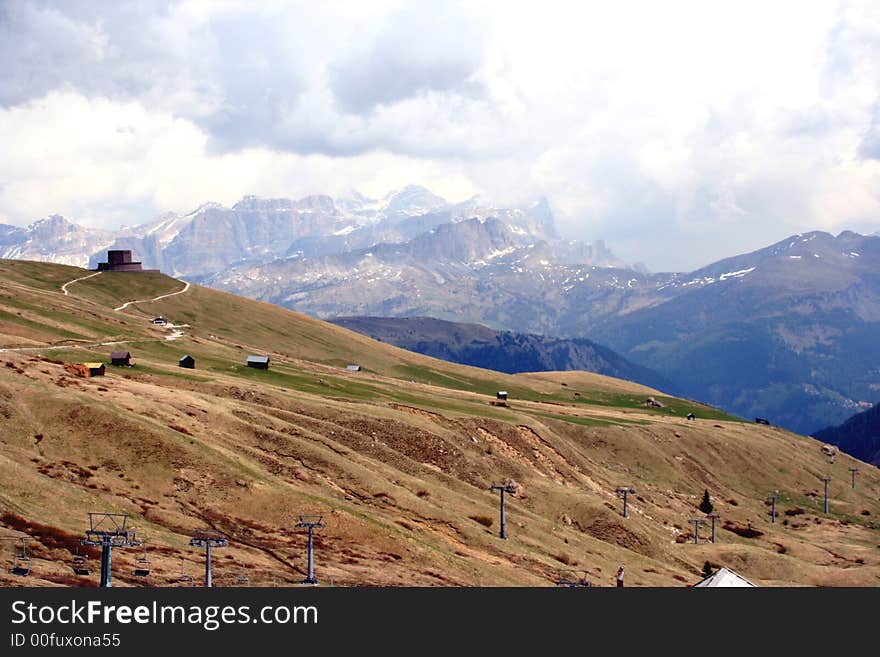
<point>679,132</point>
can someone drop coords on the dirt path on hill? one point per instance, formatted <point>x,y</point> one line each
<point>175,334</point>
<point>81,278</point>
<point>163,296</point>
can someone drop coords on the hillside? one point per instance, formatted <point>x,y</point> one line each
<point>503,351</point>
<point>397,457</point>
<point>785,332</point>
<point>859,435</point>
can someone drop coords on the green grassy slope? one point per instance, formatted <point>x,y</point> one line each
<point>398,457</point>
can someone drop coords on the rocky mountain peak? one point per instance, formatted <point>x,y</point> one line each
<point>53,222</point>
<point>465,241</point>
<point>317,203</point>
<point>253,203</point>
<point>543,214</point>
<point>413,200</point>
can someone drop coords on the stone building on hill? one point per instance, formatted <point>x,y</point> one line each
<point>121,261</point>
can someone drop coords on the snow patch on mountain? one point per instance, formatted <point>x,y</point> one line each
<point>736,274</point>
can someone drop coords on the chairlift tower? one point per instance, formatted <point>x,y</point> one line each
<point>713,517</point>
<point>772,499</point>
<point>826,479</point>
<point>208,541</point>
<point>696,522</point>
<point>503,488</point>
<point>109,530</point>
<point>623,491</point>
<point>311,523</point>
<point>853,472</point>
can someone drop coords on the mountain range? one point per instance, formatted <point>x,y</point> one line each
<point>502,351</point>
<point>213,238</point>
<point>785,332</point>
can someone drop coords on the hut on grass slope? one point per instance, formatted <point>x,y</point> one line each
<point>258,362</point>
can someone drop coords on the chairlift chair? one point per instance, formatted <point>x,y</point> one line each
<point>572,579</point>
<point>184,579</point>
<point>243,579</point>
<point>21,566</point>
<point>142,565</point>
<point>80,564</point>
<point>564,578</point>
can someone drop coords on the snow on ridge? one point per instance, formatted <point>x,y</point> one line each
<point>495,254</point>
<point>168,229</point>
<point>736,274</point>
<point>704,281</point>
<point>204,206</point>
<point>708,280</point>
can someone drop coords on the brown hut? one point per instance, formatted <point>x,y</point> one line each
<point>120,358</point>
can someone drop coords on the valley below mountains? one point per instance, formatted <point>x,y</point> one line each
<point>502,351</point>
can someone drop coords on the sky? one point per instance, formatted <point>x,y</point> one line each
<point>678,132</point>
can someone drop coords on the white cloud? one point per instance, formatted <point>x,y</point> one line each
<point>652,125</point>
<point>107,163</point>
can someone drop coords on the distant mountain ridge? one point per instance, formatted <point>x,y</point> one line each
<point>787,332</point>
<point>256,231</point>
<point>858,436</point>
<point>474,270</point>
<point>502,351</point>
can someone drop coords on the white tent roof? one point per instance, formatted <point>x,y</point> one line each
<point>724,577</point>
